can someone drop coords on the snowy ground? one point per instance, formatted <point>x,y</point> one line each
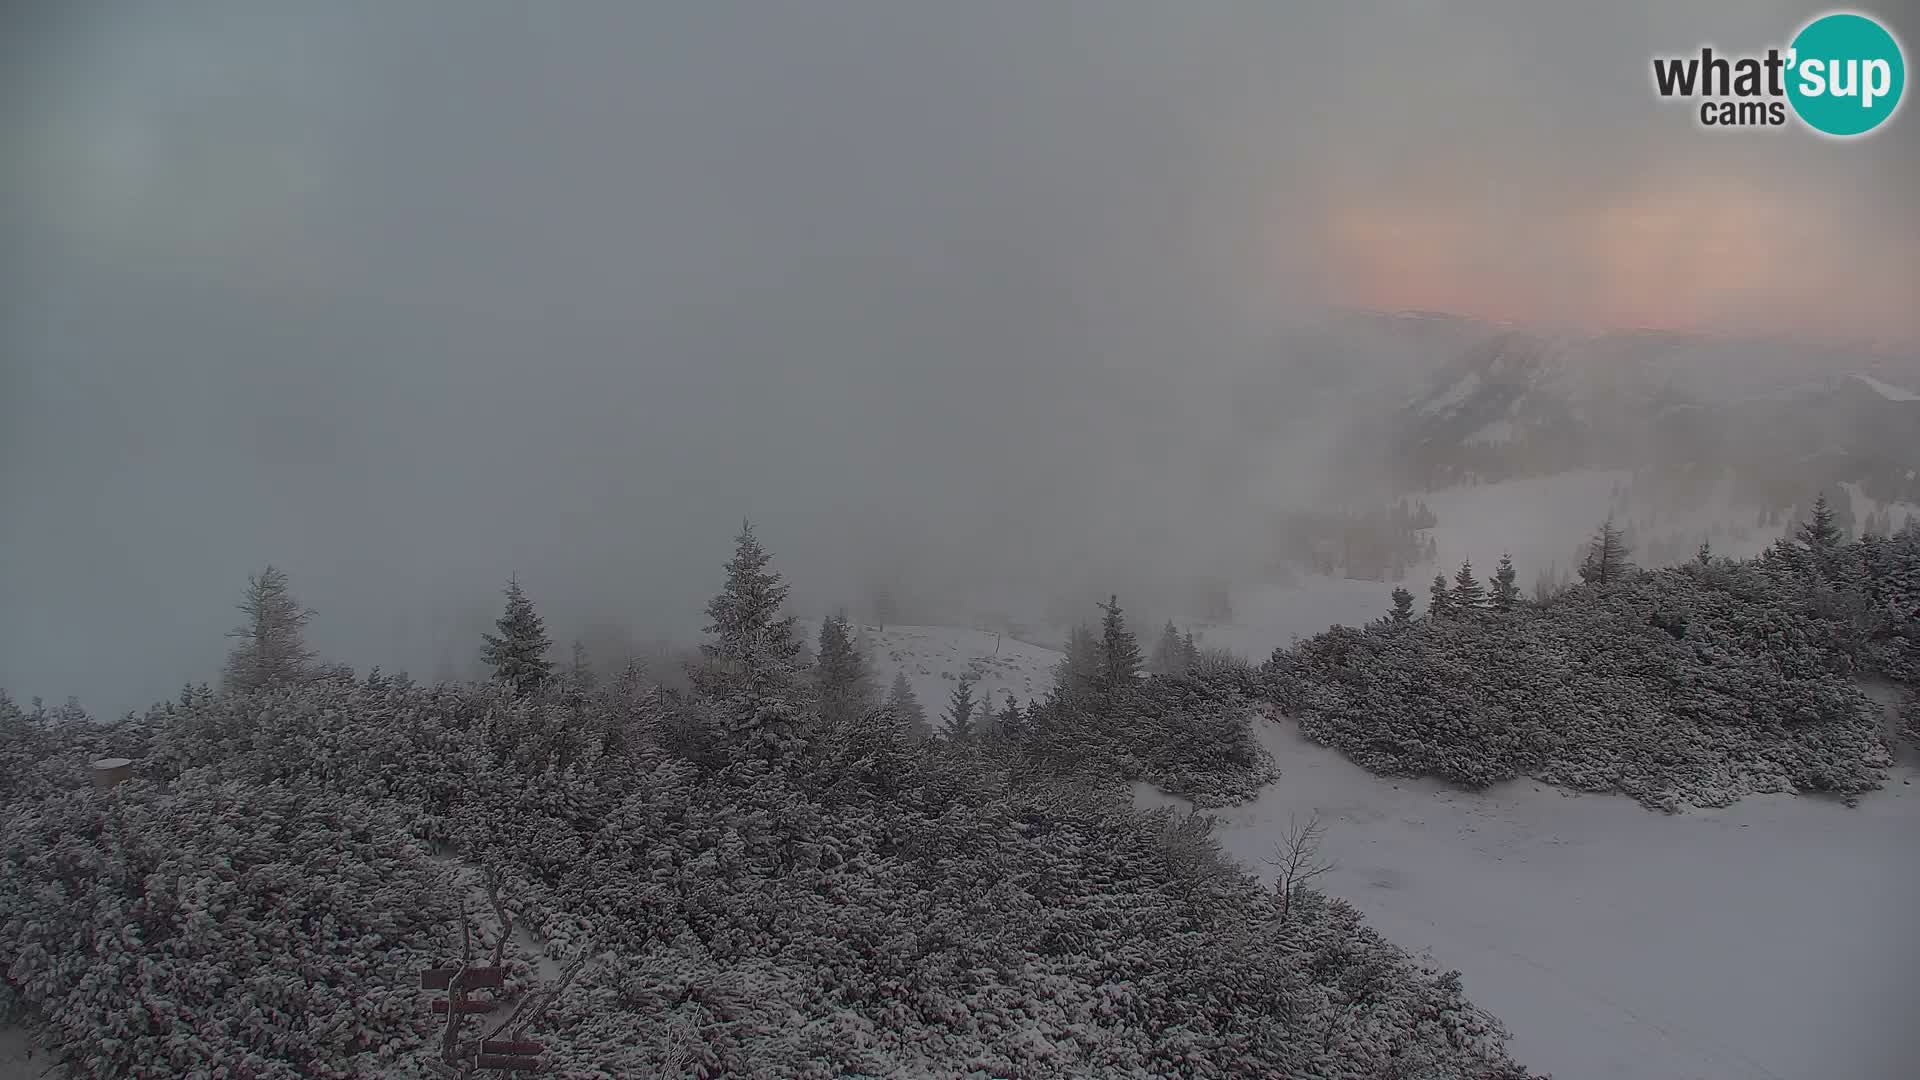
<point>1771,940</point>
<point>14,1047</point>
<point>935,658</point>
<point>1541,521</point>
<point>1546,520</point>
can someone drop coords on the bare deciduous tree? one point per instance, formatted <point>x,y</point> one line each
<point>1297,859</point>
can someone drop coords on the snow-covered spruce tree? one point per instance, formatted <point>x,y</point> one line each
<point>750,669</point>
<point>1820,532</point>
<point>1505,593</point>
<point>754,648</point>
<point>1119,652</point>
<point>1402,606</point>
<point>518,653</point>
<point>272,649</point>
<point>1468,593</point>
<point>1189,652</point>
<point>1010,722</point>
<point>1704,556</point>
<point>1166,653</point>
<point>1439,598</point>
<point>960,713</point>
<point>1079,670</point>
<point>903,704</point>
<point>1607,553</point>
<point>840,677</point>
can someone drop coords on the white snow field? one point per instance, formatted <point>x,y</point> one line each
<point>936,657</point>
<point>15,1045</point>
<point>1771,940</point>
<point>1541,521</point>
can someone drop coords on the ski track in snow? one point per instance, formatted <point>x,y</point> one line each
<point>1770,940</point>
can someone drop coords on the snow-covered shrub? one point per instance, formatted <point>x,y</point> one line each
<point>1025,929</point>
<point>262,898</point>
<point>1189,736</point>
<point>254,927</point>
<point>1697,684</point>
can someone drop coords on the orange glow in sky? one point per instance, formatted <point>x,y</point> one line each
<point>1687,256</point>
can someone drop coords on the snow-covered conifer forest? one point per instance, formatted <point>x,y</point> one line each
<point>767,874</point>
<point>770,872</point>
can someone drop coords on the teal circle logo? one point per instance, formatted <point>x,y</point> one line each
<point>1846,74</point>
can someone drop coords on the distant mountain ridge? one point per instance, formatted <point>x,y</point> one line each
<point>1775,418</point>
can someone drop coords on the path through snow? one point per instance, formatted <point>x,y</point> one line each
<point>547,971</point>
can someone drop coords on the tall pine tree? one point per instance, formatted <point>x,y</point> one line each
<point>518,653</point>
<point>1606,559</point>
<point>1468,593</point>
<point>1119,652</point>
<point>1167,653</point>
<point>1505,593</point>
<point>903,704</point>
<point>750,669</point>
<point>1010,722</point>
<point>1079,671</point>
<point>753,648</point>
<point>1439,599</point>
<point>1819,531</point>
<point>960,710</point>
<point>1402,605</point>
<point>841,681</point>
<point>272,647</point>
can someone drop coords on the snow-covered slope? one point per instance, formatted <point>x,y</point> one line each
<point>1771,940</point>
<point>1785,417</point>
<point>935,658</point>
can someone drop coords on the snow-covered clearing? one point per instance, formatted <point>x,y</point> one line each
<point>935,658</point>
<point>1862,504</point>
<point>1770,940</point>
<point>1541,520</point>
<point>15,1045</point>
<point>1546,520</point>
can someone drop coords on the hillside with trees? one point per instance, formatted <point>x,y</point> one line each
<point>1693,684</point>
<point>766,872</point>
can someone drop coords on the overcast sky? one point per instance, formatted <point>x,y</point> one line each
<point>409,297</point>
